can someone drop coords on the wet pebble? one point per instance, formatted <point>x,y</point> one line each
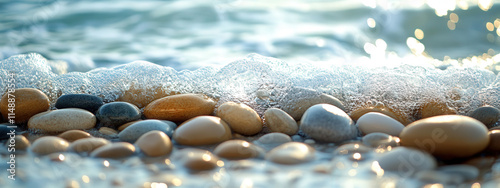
<point>436,108</point>
<point>117,113</point>
<point>381,108</point>
<point>377,122</point>
<point>180,107</point>
<point>297,100</point>
<point>87,102</point>
<point>62,120</point>
<point>327,123</point>
<point>494,144</point>
<point>49,144</point>
<point>28,102</point>
<point>87,145</point>
<point>73,135</point>
<point>406,161</point>
<point>467,172</point>
<point>291,153</point>
<point>240,117</point>
<point>202,130</point>
<point>154,143</point>
<point>108,131</point>
<point>279,121</point>
<point>114,150</point>
<point>20,142</point>
<point>380,140</point>
<point>274,138</point>
<point>122,127</point>
<point>197,159</point>
<point>134,131</point>
<point>238,149</point>
<point>488,115</point>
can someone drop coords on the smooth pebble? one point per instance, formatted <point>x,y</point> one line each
<point>62,120</point>
<point>494,144</point>
<point>87,102</point>
<point>87,145</point>
<point>108,131</point>
<point>274,138</point>
<point>180,107</point>
<point>377,122</point>
<point>328,123</point>
<point>406,161</point>
<point>291,153</point>
<point>197,159</point>
<point>488,115</point>
<point>238,149</point>
<point>202,130</point>
<point>154,143</point>
<point>240,117</point>
<point>136,130</point>
<point>279,121</point>
<point>73,135</point>
<point>49,144</point>
<point>28,102</point>
<point>117,113</point>
<point>114,150</point>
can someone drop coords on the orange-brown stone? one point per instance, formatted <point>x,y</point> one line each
<point>180,107</point>
<point>28,102</point>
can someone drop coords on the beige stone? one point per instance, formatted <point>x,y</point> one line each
<point>435,108</point>
<point>87,145</point>
<point>377,122</point>
<point>274,138</point>
<point>380,140</point>
<point>238,149</point>
<point>154,143</point>
<point>279,121</point>
<point>73,135</point>
<point>21,142</point>
<point>197,159</point>
<point>28,102</point>
<point>114,150</point>
<point>62,120</point>
<point>108,131</point>
<point>142,96</point>
<point>494,144</point>
<point>180,107</point>
<point>202,130</point>
<point>241,118</point>
<point>393,113</point>
<point>291,153</point>
<point>49,144</point>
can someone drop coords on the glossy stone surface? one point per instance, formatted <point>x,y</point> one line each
<point>291,153</point>
<point>279,121</point>
<point>488,115</point>
<point>327,123</point>
<point>56,121</point>
<point>377,122</point>
<point>202,130</point>
<point>154,143</point>
<point>238,149</point>
<point>87,102</point>
<point>49,144</point>
<point>136,130</point>
<point>180,107</point>
<point>73,135</point>
<point>114,150</point>
<point>28,102</point>
<point>240,117</point>
<point>117,113</point>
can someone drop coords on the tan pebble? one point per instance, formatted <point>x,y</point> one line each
<point>142,96</point>
<point>437,177</point>
<point>291,153</point>
<point>238,136</point>
<point>238,149</point>
<point>108,131</point>
<point>20,142</point>
<point>380,140</point>
<point>73,135</point>
<point>87,144</point>
<point>28,102</point>
<point>49,144</point>
<point>494,144</point>
<point>127,124</point>
<point>197,159</point>
<point>279,121</point>
<point>406,161</point>
<point>154,143</point>
<point>468,172</point>
<point>62,120</point>
<point>377,122</point>
<point>447,136</point>
<point>298,100</point>
<point>202,130</point>
<point>241,118</point>
<point>322,169</point>
<point>114,150</point>
<point>435,108</point>
<point>274,138</point>
<point>395,114</point>
<point>179,107</point>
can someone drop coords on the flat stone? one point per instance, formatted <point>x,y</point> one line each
<point>136,130</point>
<point>4,129</point>
<point>241,118</point>
<point>381,108</point>
<point>154,143</point>
<point>73,135</point>
<point>488,115</point>
<point>436,108</point>
<point>297,100</point>
<point>380,140</point>
<point>274,138</point>
<point>327,123</point>
<point>49,144</point>
<point>238,149</point>
<point>291,153</point>
<point>377,122</point>
<point>114,150</point>
<point>108,131</point>
<point>202,130</point>
<point>279,121</point>
<point>87,145</point>
<point>180,107</point>
<point>406,161</point>
<point>28,102</point>
<point>62,120</point>
<point>468,172</point>
<point>447,136</point>
<point>87,102</point>
<point>117,113</point>
<point>197,159</point>
<point>494,144</point>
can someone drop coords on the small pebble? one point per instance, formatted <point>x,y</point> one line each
<point>274,138</point>
<point>87,145</point>
<point>180,107</point>
<point>108,131</point>
<point>394,114</point>
<point>117,113</point>
<point>114,150</point>
<point>436,108</point>
<point>468,172</point>
<point>279,121</point>
<point>62,120</point>
<point>87,102</point>
<point>291,153</point>
<point>241,118</point>
<point>327,123</point>
<point>49,144</point>
<point>29,102</point>
<point>488,115</point>
<point>197,159</point>
<point>494,144</point>
<point>238,149</point>
<point>73,135</point>
<point>380,140</point>
<point>202,130</point>
<point>377,122</point>
<point>20,142</point>
<point>154,143</point>
<point>297,100</point>
<point>406,161</point>
<point>136,130</point>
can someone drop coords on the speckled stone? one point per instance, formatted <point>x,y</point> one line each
<point>240,117</point>
<point>197,159</point>
<point>202,130</point>
<point>494,144</point>
<point>436,108</point>
<point>87,145</point>
<point>154,143</point>
<point>291,153</point>
<point>238,149</point>
<point>4,129</point>
<point>327,123</point>
<point>377,122</point>
<point>274,138</point>
<point>180,107</point>
<point>136,130</point>
<point>406,161</point>
<point>297,100</point>
<point>49,144</point>
<point>62,120</point>
<point>73,135</point>
<point>114,150</point>
<point>488,115</point>
<point>279,121</point>
<point>87,102</point>
<point>468,172</point>
<point>29,102</point>
<point>380,140</point>
<point>20,142</point>
<point>447,136</point>
<point>117,113</point>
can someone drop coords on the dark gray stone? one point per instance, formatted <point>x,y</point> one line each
<point>4,129</point>
<point>87,102</point>
<point>117,113</point>
<point>488,115</point>
<point>136,130</point>
<point>328,123</point>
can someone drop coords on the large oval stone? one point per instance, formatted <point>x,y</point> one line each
<point>202,130</point>
<point>447,136</point>
<point>87,102</point>
<point>117,113</point>
<point>136,130</point>
<point>180,107</point>
<point>62,120</point>
<point>291,153</point>
<point>377,122</point>
<point>238,149</point>
<point>241,118</point>
<point>154,143</point>
<point>49,144</point>
<point>328,123</point>
<point>279,121</point>
<point>28,102</point>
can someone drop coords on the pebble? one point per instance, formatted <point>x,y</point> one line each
<point>381,108</point>
<point>494,144</point>
<point>406,161</point>
<point>291,153</point>
<point>274,138</point>
<point>435,108</point>
<point>73,135</point>
<point>142,96</point>
<point>202,130</point>
<point>238,149</point>
<point>114,150</point>
<point>62,120</point>
<point>481,162</point>
<point>20,141</point>
<point>121,127</point>
<point>377,122</point>
<point>87,102</point>
<point>154,144</point>
<point>279,121</point>
<point>28,102</point>
<point>87,145</point>
<point>49,144</point>
<point>180,107</point>
<point>4,130</point>
<point>136,130</point>
<point>437,177</point>
<point>327,123</point>
<point>117,113</point>
<point>380,140</point>
<point>241,118</point>
<point>197,159</point>
<point>108,131</point>
<point>297,100</point>
<point>468,172</point>
<point>447,136</point>
<point>352,148</point>
<point>488,115</point>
